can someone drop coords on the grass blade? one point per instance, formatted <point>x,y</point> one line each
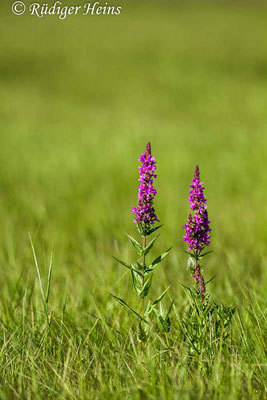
<point>49,275</point>
<point>39,277</point>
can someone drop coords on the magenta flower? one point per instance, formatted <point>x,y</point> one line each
<point>197,228</point>
<point>145,212</point>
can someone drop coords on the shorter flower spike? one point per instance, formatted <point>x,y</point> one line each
<point>197,228</point>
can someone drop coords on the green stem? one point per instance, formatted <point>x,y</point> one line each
<point>144,263</point>
<point>196,260</point>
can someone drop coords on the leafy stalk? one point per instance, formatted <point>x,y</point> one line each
<point>142,276</point>
<point>144,266</point>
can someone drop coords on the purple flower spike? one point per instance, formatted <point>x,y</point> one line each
<point>145,212</point>
<point>197,228</point>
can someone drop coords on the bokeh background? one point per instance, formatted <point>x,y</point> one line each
<point>80,98</point>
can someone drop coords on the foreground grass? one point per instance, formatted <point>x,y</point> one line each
<point>78,101</point>
<point>87,352</point>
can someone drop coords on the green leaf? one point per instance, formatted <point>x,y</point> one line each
<point>122,302</point>
<point>155,302</point>
<point>144,230</point>
<point>137,266</point>
<point>136,245</point>
<point>153,230</point>
<point>137,282</point>
<point>39,277</point>
<point>151,307</point>
<point>139,249</point>
<point>191,254</point>
<point>157,261</point>
<point>146,287</point>
<point>211,279</point>
<point>143,332</point>
<point>184,286</point>
<point>169,309</point>
<point>130,267</point>
<point>147,249</point>
<point>205,254</point>
<point>163,322</point>
<point>122,263</point>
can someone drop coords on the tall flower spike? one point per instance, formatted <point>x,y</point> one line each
<point>144,211</point>
<point>197,228</point>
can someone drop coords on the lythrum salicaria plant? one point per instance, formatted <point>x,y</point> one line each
<point>197,231</point>
<point>205,324</point>
<point>141,270</point>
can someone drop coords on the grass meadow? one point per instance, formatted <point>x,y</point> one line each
<point>79,99</point>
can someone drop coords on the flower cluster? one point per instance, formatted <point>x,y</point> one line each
<point>197,228</point>
<point>145,212</point>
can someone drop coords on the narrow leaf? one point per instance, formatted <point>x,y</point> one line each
<point>138,266</point>
<point>122,262</point>
<point>153,230</point>
<point>39,277</point>
<point>151,307</point>
<point>185,287</point>
<point>203,255</point>
<point>157,260</point>
<point>163,322</point>
<point>146,287</point>
<point>147,249</point>
<point>122,302</point>
<point>137,282</point>
<point>187,252</point>
<point>155,302</point>
<point>169,309</point>
<point>136,245</point>
<point>49,276</point>
<point>211,279</point>
<point>130,267</point>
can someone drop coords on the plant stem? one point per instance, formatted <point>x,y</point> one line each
<point>144,245</point>
<point>144,263</point>
<point>196,259</point>
<point>200,283</point>
<point>195,275</point>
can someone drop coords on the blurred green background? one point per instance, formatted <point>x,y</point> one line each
<point>80,98</point>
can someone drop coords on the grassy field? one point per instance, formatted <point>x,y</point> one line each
<point>79,99</point>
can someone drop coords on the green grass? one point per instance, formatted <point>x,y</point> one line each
<point>78,101</point>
